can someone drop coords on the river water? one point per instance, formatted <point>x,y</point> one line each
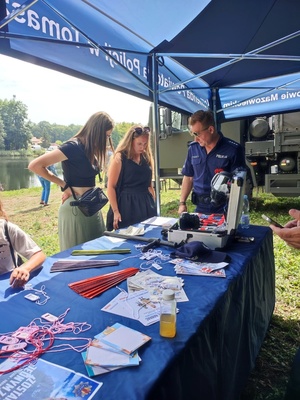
<point>14,173</point>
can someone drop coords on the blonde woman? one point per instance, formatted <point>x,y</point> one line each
<point>129,188</point>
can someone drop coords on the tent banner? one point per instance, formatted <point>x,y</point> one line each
<point>87,44</point>
<point>257,98</point>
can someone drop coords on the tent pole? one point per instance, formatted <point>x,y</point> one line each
<point>214,96</point>
<point>155,124</point>
<point>214,104</point>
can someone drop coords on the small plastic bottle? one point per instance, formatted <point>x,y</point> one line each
<point>167,327</point>
<point>245,218</point>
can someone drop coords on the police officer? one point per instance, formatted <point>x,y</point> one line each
<point>210,153</point>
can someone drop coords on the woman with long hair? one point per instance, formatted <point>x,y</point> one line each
<point>129,188</point>
<point>82,158</point>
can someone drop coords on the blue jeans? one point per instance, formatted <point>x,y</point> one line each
<point>46,189</point>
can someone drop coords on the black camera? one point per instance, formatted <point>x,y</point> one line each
<point>189,221</point>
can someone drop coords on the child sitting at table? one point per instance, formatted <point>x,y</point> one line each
<point>14,241</point>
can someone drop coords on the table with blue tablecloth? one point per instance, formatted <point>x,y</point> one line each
<point>219,330</point>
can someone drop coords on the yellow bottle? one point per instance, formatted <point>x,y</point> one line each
<point>167,327</point>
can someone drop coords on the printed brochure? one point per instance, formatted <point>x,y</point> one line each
<point>44,380</point>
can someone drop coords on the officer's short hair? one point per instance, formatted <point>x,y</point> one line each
<point>205,117</point>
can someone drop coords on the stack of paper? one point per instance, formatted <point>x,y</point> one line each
<point>155,284</point>
<point>116,347</point>
<point>186,267</point>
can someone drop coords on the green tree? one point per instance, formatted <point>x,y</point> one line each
<point>42,130</point>
<point>69,131</point>
<point>119,131</point>
<point>16,131</point>
<point>2,135</point>
<point>16,125</point>
<point>58,133</point>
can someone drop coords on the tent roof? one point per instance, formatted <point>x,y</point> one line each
<point>239,57</point>
<point>258,40</point>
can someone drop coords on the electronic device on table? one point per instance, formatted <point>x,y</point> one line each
<point>215,230</point>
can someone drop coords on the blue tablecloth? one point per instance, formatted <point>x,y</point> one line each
<point>219,330</point>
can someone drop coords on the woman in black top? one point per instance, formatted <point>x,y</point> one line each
<point>82,158</point>
<point>129,186</point>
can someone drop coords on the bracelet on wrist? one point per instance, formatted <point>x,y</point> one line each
<point>182,203</point>
<point>115,210</point>
<point>64,188</point>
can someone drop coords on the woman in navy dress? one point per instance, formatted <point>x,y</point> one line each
<point>129,188</point>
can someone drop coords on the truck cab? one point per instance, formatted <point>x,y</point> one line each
<point>273,150</point>
<point>271,144</point>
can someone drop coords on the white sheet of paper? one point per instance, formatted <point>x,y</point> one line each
<point>136,305</point>
<point>103,355</point>
<point>123,338</point>
<point>160,221</point>
<point>133,231</point>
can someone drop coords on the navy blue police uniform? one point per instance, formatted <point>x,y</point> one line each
<point>227,155</point>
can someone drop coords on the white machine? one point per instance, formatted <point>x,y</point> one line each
<point>217,236</point>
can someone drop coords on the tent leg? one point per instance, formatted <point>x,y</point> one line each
<point>155,116</point>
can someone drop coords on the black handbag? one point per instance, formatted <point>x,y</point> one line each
<point>90,202</point>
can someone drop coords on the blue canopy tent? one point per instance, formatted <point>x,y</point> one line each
<point>238,57</point>
<point>247,51</point>
<point>100,41</point>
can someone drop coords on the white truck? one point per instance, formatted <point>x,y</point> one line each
<point>271,143</point>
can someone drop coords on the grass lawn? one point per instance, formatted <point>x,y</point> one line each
<point>268,379</point>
